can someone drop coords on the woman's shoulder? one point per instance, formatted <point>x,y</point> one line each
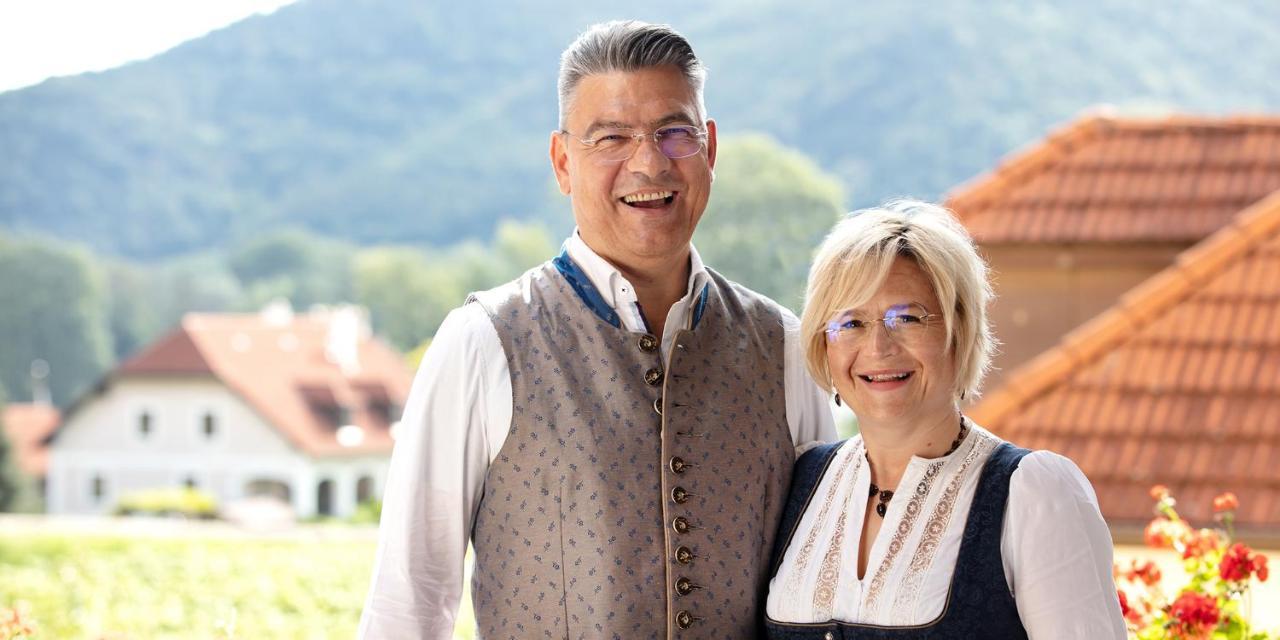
<point>1050,483</point>
<point>812,464</point>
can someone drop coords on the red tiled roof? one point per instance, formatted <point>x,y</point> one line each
<point>1177,384</point>
<point>27,426</point>
<point>281,369</point>
<point>1109,179</point>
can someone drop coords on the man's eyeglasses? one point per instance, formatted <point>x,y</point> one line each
<point>616,145</point>
<point>905,323</point>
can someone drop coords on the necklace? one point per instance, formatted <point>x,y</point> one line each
<point>886,495</point>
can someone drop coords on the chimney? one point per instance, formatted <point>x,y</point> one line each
<point>39,383</point>
<point>348,327</point>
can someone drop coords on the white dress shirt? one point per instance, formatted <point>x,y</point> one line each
<point>455,422</point>
<point>1055,546</point>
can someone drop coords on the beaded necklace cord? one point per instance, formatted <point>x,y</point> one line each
<point>886,495</point>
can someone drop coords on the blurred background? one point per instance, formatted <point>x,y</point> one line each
<point>228,230</point>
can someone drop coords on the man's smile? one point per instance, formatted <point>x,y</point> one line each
<point>649,199</point>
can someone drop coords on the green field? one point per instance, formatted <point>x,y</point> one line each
<point>86,586</point>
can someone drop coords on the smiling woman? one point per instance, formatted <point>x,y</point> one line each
<point>982,539</point>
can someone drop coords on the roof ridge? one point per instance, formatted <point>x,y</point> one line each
<point>1037,156</point>
<point>1154,295</point>
<point>1030,159</point>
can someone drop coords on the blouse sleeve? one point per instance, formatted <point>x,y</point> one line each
<point>1058,553</point>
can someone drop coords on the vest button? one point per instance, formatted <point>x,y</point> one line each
<point>648,343</point>
<point>680,524</point>
<point>657,405</point>
<point>679,495</point>
<point>653,377</point>
<point>684,555</point>
<point>685,586</point>
<point>678,465</point>
<point>684,619</point>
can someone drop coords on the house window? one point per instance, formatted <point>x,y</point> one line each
<point>209,426</point>
<point>144,424</point>
<point>98,488</point>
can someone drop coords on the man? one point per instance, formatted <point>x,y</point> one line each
<point>614,431</point>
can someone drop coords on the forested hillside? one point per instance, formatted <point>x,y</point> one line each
<point>426,122</point>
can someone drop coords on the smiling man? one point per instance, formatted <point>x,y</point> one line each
<point>613,431</point>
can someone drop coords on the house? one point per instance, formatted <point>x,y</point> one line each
<point>1082,217</point>
<point>27,426</point>
<point>299,407</point>
<point>1177,383</point>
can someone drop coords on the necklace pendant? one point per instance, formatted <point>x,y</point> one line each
<point>881,508</point>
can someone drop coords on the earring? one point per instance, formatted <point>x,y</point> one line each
<point>838,400</point>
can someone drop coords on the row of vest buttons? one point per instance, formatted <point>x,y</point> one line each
<point>684,586</point>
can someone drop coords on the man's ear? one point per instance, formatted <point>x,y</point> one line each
<point>711,147</point>
<point>560,161</point>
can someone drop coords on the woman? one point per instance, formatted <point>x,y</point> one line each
<point>925,524</point>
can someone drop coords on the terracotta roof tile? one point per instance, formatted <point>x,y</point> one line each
<point>1178,383</point>
<point>27,426</point>
<point>1107,179</point>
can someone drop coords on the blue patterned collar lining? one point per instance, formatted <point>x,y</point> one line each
<point>591,297</point>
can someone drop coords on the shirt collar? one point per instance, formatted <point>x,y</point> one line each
<point>613,286</point>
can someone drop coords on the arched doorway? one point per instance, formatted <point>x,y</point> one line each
<point>364,489</point>
<point>324,498</point>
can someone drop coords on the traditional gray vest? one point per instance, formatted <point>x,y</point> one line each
<point>632,498</point>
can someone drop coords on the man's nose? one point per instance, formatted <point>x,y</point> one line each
<point>647,158</point>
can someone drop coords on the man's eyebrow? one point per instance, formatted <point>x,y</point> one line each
<point>604,124</point>
<point>671,118</point>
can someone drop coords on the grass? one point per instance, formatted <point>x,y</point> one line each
<point>87,586</point>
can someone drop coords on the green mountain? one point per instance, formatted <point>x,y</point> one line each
<point>427,122</point>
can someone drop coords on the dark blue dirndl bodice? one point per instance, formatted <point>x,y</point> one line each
<point>979,604</point>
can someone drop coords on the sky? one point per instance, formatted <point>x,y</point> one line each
<point>40,39</point>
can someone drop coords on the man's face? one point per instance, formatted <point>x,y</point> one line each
<point>625,231</point>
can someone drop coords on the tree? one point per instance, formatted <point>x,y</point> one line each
<point>769,209</point>
<point>17,492</point>
<point>53,310</point>
<point>407,294</point>
<point>304,268</point>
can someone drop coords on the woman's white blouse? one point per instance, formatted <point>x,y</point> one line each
<point>1056,547</point>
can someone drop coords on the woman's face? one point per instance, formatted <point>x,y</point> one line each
<point>898,375</point>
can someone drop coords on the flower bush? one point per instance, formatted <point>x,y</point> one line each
<point>178,501</point>
<point>16,624</point>
<point>1221,572</point>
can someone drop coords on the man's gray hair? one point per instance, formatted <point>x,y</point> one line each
<point>628,45</point>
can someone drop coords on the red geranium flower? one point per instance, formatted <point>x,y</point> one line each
<point>1159,492</point>
<point>1147,572</point>
<point>1225,502</point>
<point>1200,542</point>
<point>1240,562</point>
<point>1194,615</point>
<point>1162,533</point>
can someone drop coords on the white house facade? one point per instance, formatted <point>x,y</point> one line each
<point>313,434</point>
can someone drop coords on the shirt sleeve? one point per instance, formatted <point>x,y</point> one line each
<point>808,407</point>
<point>1058,552</point>
<point>442,452</point>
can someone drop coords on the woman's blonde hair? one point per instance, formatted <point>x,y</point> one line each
<point>855,258</point>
